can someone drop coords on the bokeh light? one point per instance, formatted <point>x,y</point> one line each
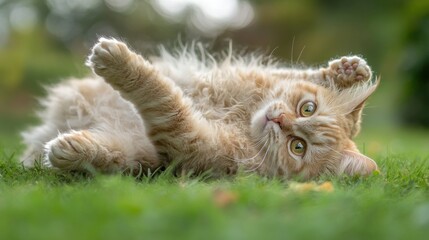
<point>209,17</point>
<point>23,17</point>
<point>119,5</point>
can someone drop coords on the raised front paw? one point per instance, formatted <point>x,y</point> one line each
<point>71,151</point>
<point>109,58</point>
<point>347,71</point>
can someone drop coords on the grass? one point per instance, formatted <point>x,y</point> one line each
<point>40,204</point>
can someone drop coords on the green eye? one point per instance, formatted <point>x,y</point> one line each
<point>298,146</point>
<point>308,109</point>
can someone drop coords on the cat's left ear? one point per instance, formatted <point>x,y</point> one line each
<point>355,163</point>
<point>354,99</point>
<point>356,96</point>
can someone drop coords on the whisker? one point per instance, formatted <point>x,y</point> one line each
<point>265,155</point>
<point>291,51</point>
<point>260,164</point>
<point>252,158</point>
<point>333,149</point>
<point>252,145</point>
<point>272,52</point>
<point>299,56</point>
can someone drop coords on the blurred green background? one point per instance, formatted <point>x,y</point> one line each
<point>44,41</point>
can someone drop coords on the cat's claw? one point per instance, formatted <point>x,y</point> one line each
<point>69,151</point>
<point>348,71</point>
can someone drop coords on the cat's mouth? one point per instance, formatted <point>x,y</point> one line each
<point>272,124</point>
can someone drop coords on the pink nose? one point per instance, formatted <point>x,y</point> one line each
<point>281,120</point>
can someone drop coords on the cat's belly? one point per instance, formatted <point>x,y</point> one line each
<point>222,110</point>
<point>224,101</point>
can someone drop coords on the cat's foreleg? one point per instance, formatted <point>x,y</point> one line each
<point>160,102</point>
<point>176,129</point>
<point>341,73</point>
<point>347,71</point>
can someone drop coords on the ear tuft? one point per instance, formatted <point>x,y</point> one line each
<point>355,163</point>
<point>355,97</point>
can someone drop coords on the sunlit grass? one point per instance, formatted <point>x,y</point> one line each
<point>41,204</point>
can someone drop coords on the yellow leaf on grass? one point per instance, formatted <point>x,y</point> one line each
<point>311,186</point>
<point>224,198</point>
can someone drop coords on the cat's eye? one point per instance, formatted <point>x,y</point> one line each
<point>307,109</point>
<point>298,146</point>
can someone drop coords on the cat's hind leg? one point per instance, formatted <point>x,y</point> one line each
<point>89,150</point>
<point>63,109</point>
<point>72,151</point>
<point>85,123</point>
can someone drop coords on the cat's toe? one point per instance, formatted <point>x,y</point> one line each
<point>69,151</point>
<point>348,71</point>
<point>108,56</point>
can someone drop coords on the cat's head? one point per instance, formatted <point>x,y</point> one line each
<point>305,129</point>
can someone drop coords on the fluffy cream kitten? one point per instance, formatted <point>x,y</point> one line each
<point>204,115</point>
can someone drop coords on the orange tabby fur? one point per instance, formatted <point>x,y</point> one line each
<point>204,115</point>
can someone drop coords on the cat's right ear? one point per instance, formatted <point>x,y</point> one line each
<point>355,163</point>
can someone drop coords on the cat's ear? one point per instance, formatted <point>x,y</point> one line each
<point>355,163</point>
<point>353,100</point>
<point>355,97</point>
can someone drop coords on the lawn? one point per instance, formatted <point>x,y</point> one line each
<point>40,204</point>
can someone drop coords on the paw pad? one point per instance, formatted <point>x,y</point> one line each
<point>108,55</point>
<point>349,70</point>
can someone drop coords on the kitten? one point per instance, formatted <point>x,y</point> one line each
<point>204,115</point>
